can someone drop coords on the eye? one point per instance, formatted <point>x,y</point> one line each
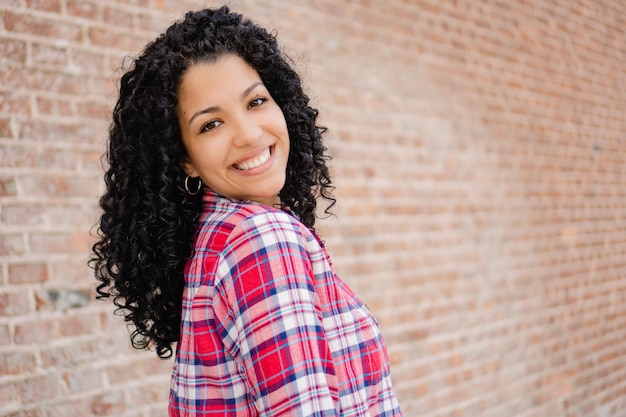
<point>210,125</point>
<point>257,102</point>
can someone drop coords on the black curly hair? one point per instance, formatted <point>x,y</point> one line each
<point>146,231</point>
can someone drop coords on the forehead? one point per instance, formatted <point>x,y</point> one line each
<point>226,73</point>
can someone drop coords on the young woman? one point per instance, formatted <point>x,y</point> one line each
<point>207,236</point>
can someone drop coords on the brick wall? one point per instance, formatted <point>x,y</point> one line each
<point>480,169</point>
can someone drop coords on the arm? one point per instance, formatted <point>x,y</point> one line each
<point>271,321</point>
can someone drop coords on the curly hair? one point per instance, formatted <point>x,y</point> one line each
<point>146,230</point>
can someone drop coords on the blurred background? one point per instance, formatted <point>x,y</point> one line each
<point>480,162</point>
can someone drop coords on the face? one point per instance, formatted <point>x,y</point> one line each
<point>234,132</point>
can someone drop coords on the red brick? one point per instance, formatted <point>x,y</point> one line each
<point>123,373</point>
<point>156,410</point>
<point>64,408</point>
<point>118,17</point>
<point>13,51</point>
<point>84,9</point>
<point>58,186</point>
<point>40,26</point>
<point>112,403</point>
<point>91,161</point>
<point>49,55</point>
<point>7,394</point>
<point>7,186</point>
<point>53,6</point>
<point>80,379</point>
<point>50,243</point>
<point>147,22</point>
<point>152,365</point>
<point>14,104</point>
<point>146,4</point>
<point>36,331</point>
<point>79,325</point>
<point>153,392</point>
<point>71,215</point>
<point>11,75</point>
<point>27,273</point>
<point>45,80</point>
<point>104,86</point>
<point>15,303</point>
<point>77,352</point>
<point>12,244</point>
<point>109,323</point>
<point>89,62</point>
<point>12,3</point>
<point>91,110</point>
<point>109,37</point>
<point>5,128</point>
<point>15,363</point>
<point>54,107</point>
<point>72,273</point>
<point>22,214</point>
<point>165,4</point>
<point>65,159</point>
<point>38,388</point>
<point>15,155</point>
<point>5,335</point>
<point>53,132</point>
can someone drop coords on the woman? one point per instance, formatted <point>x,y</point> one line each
<point>207,235</point>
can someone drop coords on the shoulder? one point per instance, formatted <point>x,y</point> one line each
<point>225,222</point>
<point>264,248</point>
<point>267,226</point>
<point>232,220</point>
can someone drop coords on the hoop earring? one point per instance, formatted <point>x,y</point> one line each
<point>187,186</point>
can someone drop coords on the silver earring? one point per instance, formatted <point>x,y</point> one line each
<point>187,186</point>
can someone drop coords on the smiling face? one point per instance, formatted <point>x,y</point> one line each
<point>234,132</point>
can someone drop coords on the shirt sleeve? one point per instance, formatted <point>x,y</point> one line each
<point>270,320</point>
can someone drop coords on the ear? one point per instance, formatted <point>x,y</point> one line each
<point>189,168</point>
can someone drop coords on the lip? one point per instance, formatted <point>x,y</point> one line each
<point>256,170</point>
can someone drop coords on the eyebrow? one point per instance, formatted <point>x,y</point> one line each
<point>216,108</point>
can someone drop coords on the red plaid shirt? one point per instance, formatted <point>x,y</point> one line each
<point>268,329</point>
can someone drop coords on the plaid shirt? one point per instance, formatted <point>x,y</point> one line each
<point>268,329</point>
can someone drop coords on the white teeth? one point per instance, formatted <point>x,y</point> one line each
<point>258,161</point>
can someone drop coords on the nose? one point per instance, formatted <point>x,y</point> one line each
<point>247,131</point>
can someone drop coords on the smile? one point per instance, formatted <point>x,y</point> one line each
<point>256,162</point>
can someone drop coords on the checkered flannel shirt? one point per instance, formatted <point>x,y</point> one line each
<point>268,329</point>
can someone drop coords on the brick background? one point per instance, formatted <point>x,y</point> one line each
<point>480,168</point>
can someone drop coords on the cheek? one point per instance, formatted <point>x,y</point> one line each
<point>281,125</point>
<point>209,154</point>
